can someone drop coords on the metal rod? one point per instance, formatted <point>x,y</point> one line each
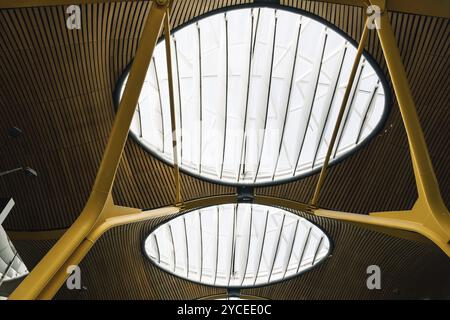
<point>179,99</point>
<point>178,199</point>
<point>348,110</point>
<point>333,95</point>
<point>368,108</point>
<point>201,244</point>
<point>313,98</point>
<point>268,100</point>
<point>157,248</point>
<point>233,245</point>
<point>140,121</point>
<point>304,249</point>
<point>160,105</point>
<point>340,115</point>
<point>187,246</point>
<point>317,250</point>
<point>173,247</point>
<point>288,99</point>
<point>251,52</point>
<point>10,171</point>
<point>291,249</point>
<point>262,247</point>
<point>226,96</point>
<point>217,244</point>
<point>249,242</point>
<point>200,97</point>
<point>276,248</point>
<point>7,269</point>
<point>256,30</point>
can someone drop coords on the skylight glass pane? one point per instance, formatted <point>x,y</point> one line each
<point>257,94</point>
<point>237,245</point>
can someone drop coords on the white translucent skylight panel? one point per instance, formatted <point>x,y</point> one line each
<point>237,245</point>
<point>257,93</point>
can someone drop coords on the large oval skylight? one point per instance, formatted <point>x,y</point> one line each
<point>237,245</point>
<point>257,93</point>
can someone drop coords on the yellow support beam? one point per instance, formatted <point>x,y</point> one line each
<point>429,216</point>
<point>115,217</point>
<point>173,122</point>
<point>429,213</point>
<point>337,126</point>
<point>100,198</point>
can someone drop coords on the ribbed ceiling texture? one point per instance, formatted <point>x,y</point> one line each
<point>57,86</point>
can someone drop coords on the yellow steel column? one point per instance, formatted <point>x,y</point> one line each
<point>116,216</point>
<point>423,169</point>
<point>429,212</point>
<point>32,285</point>
<point>323,172</point>
<point>178,199</point>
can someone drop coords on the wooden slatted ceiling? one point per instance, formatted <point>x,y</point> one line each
<point>57,86</point>
<point>116,268</point>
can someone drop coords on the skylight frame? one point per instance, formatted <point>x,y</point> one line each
<point>344,154</point>
<point>324,241</point>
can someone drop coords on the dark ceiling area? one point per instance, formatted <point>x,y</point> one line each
<point>57,86</point>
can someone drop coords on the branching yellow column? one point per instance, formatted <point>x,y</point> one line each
<point>36,281</point>
<point>173,123</point>
<point>429,214</point>
<point>115,217</point>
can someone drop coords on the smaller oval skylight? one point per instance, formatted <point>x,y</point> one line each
<point>237,245</point>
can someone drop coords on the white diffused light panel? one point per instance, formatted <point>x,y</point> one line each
<point>257,93</point>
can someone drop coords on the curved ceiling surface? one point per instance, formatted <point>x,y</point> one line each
<point>237,245</point>
<point>257,93</point>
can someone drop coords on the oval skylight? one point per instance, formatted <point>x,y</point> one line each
<point>257,94</point>
<point>237,245</point>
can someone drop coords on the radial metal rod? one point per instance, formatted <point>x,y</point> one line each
<point>160,105</point>
<point>233,246</point>
<point>226,97</point>
<point>217,245</point>
<point>348,110</point>
<point>179,99</point>
<point>340,115</point>
<point>173,122</point>
<point>304,249</point>
<point>250,61</point>
<point>201,244</point>
<point>294,237</point>
<point>140,122</point>
<point>187,246</point>
<point>248,246</point>
<point>276,249</point>
<point>200,96</point>
<point>330,104</point>
<point>312,100</point>
<point>262,247</point>
<point>319,245</point>
<point>7,269</point>
<point>266,117</point>
<point>280,146</point>
<point>174,256</point>
<point>157,248</point>
<point>368,108</point>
